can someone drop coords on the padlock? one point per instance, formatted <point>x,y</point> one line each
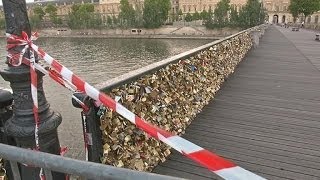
<point>3,174</point>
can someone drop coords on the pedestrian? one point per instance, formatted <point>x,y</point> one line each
<point>302,24</point>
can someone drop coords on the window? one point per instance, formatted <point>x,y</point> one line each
<point>309,19</point>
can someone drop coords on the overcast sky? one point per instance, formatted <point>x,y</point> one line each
<point>27,1</point>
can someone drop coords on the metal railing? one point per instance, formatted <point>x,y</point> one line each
<point>136,74</point>
<point>83,169</point>
<point>92,170</point>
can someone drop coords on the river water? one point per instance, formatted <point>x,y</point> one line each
<point>96,60</point>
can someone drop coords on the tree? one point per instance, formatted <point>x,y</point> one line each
<point>155,12</point>
<point>109,21</point>
<point>203,15</point>
<point>165,6</point>
<point>196,16</point>
<point>115,20</point>
<point>52,11</point>
<point>208,21</point>
<point>2,23</point>
<point>234,17</point>
<point>82,16</point>
<point>39,12</point>
<point>57,21</point>
<point>305,7</point>
<point>294,10</point>
<point>188,17</point>
<point>127,14</point>
<point>221,13</point>
<point>180,14</point>
<point>35,21</point>
<point>252,14</point>
<point>175,16</point>
<point>138,14</point>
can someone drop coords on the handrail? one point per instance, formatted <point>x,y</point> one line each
<point>135,74</point>
<point>71,166</point>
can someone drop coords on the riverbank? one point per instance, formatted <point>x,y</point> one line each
<point>167,32</point>
<point>135,36</point>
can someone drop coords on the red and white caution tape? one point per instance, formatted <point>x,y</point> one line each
<point>16,60</point>
<point>34,85</point>
<point>222,167</point>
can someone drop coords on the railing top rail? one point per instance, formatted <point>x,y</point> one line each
<point>132,75</point>
<point>71,166</point>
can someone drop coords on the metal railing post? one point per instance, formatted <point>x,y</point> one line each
<point>91,127</point>
<point>83,169</point>
<point>21,125</point>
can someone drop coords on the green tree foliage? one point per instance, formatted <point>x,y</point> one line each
<point>2,23</point>
<point>155,12</point>
<point>115,20</point>
<point>175,17</point>
<point>196,16</point>
<point>52,11</point>
<point>221,13</point>
<point>234,17</point>
<point>252,14</point>
<point>305,7</point>
<point>188,17</point>
<point>127,15</point>
<point>82,16</point>
<point>39,12</point>
<point>180,14</point>
<point>294,9</point>
<point>138,15</point>
<point>204,15</point>
<point>109,21</point>
<point>35,21</point>
<point>208,21</point>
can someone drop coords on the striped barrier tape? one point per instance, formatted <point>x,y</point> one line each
<point>220,166</point>
<point>34,86</point>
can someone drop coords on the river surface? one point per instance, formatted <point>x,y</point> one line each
<point>96,60</point>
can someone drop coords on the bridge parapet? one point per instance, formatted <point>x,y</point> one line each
<point>168,94</point>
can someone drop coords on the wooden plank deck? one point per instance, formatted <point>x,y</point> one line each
<point>266,117</point>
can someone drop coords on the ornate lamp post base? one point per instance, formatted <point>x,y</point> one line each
<point>21,126</point>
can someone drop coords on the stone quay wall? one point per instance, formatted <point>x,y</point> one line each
<point>168,94</point>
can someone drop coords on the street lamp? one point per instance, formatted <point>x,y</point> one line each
<point>21,126</point>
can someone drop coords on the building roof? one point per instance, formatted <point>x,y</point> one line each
<point>60,2</point>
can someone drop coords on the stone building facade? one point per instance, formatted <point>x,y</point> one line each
<point>277,10</point>
<point>192,6</point>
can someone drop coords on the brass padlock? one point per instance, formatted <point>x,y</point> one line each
<point>3,174</point>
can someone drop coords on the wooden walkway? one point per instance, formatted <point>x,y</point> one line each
<point>266,118</point>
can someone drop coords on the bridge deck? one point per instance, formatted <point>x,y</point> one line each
<point>266,118</point>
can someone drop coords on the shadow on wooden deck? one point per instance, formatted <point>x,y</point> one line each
<point>266,117</point>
